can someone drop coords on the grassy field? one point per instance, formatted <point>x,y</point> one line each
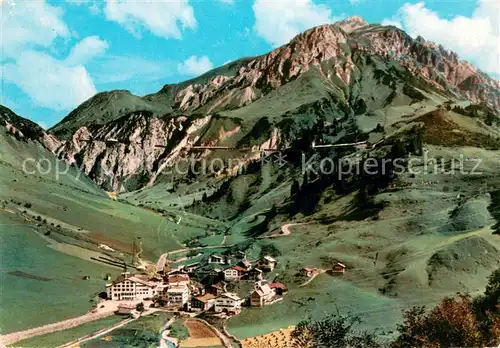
<point>432,239</point>
<point>59,294</point>
<point>73,200</point>
<point>85,215</point>
<point>143,332</point>
<point>178,330</point>
<point>322,296</point>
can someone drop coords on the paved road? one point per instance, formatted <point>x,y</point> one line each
<point>14,337</point>
<point>163,334</point>
<point>160,265</point>
<point>97,334</point>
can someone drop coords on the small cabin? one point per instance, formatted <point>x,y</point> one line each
<point>254,274</point>
<point>217,289</point>
<point>338,268</point>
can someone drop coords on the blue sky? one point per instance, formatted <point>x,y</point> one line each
<point>56,54</point>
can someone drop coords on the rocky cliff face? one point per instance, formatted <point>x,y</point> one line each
<point>324,76</point>
<point>26,130</point>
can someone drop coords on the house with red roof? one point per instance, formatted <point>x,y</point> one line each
<point>234,273</point>
<point>279,288</point>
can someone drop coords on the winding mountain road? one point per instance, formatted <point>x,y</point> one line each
<point>160,265</point>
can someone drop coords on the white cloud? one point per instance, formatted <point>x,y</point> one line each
<point>164,19</point>
<point>195,66</point>
<point>30,24</point>
<point>475,38</point>
<point>229,2</point>
<point>29,27</point>
<point>279,21</point>
<point>86,50</point>
<point>395,23</point>
<point>50,82</point>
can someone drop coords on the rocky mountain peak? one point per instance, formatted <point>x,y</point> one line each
<point>352,23</point>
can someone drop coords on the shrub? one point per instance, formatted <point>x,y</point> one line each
<point>334,331</point>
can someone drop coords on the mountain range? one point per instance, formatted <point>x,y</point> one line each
<point>238,157</point>
<point>342,74</point>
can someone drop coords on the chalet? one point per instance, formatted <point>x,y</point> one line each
<point>254,274</point>
<point>307,272</point>
<point>203,303</point>
<point>178,271</point>
<point>267,263</point>
<point>178,295</point>
<point>228,302</point>
<point>217,289</point>
<point>209,274</point>
<point>279,288</point>
<point>216,258</point>
<point>178,279</point>
<point>338,268</point>
<point>247,265</point>
<point>234,273</point>
<point>262,294</point>
<point>131,287</point>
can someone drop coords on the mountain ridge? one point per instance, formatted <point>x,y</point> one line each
<point>457,72</point>
<point>341,74</point>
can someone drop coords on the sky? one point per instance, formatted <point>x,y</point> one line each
<point>57,54</point>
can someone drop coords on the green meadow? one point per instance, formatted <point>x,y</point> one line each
<point>56,292</point>
<point>43,206</point>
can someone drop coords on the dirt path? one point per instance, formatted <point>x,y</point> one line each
<point>320,271</point>
<point>285,230</point>
<point>14,337</point>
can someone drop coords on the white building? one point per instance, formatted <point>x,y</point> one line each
<point>262,294</point>
<point>233,273</point>
<point>268,263</point>
<point>216,258</point>
<point>228,302</point>
<point>131,287</point>
<point>178,295</point>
